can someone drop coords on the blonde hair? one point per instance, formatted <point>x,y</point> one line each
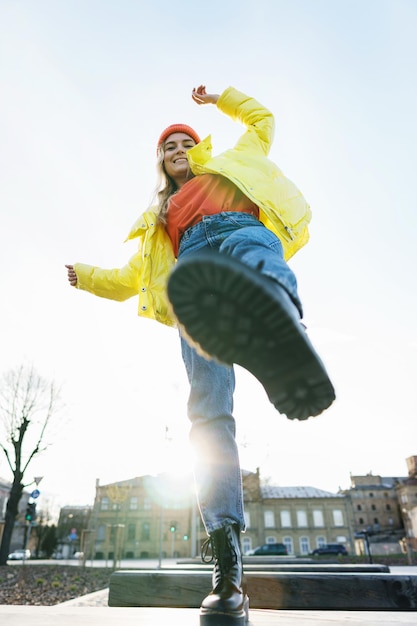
<point>164,189</point>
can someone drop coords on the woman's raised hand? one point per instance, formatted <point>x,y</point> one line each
<point>200,96</point>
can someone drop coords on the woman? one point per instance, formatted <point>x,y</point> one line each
<point>231,221</point>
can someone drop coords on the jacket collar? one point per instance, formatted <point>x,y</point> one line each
<point>200,153</point>
<point>143,223</point>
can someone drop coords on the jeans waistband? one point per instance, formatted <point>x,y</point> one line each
<point>237,216</point>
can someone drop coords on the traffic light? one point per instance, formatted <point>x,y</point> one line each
<point>173,527</point>
<point>31,511</point>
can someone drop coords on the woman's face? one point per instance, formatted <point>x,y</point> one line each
<point>175,159</point>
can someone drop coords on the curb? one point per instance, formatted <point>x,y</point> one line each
<point>96,598</point>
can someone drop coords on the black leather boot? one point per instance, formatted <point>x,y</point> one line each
<point>228,603</point>
<point>235,314</point>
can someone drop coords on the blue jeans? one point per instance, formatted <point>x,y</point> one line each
<point>210,404</point>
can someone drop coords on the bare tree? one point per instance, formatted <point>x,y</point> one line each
<point>27,404</point>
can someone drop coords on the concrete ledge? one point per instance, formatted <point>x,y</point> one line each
<point>268,590</point>
<point>295,567</point>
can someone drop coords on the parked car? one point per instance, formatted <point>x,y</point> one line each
<point>19,555</point>
<point>269,549</point>
<point>331,548</point>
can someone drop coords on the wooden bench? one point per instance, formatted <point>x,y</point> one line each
<point>269,590</point>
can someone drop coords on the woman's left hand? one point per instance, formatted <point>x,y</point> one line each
<point>200,96</point>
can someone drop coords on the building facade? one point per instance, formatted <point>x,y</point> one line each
<point>156,516</point>
<point>406,491</point>
<point>375,503</point>
<point>73,523</point>
<point>302,518</point>
<point>145,517</point>
<point>377,520</point>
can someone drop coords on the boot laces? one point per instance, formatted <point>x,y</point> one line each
<point>213,548</point>
<point>207,545</point>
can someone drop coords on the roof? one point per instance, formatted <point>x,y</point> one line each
<point>297,492</point>
<point>386,482</point>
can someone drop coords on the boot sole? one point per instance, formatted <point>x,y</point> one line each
<point>218,618</point>
<point>236,315</point>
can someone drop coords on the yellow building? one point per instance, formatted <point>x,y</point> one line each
<point>157,516</point>
<point>145,517</point>
<point>303,518</point>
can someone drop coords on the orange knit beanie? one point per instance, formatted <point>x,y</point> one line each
<point>178,128</point>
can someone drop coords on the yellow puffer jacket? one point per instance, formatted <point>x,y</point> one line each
<point>282,209</point>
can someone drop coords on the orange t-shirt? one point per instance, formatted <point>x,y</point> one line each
<point>206,194</point>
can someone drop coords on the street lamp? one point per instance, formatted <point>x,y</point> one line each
<point>407,526</point>
<point>30,516</point>
<point>364,534</point>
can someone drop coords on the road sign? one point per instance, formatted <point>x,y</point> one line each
<point>35,494</point>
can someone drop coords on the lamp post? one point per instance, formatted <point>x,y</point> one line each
<point>161,534</point>
<point>118,494</point>
<point>368,546</point>
<point>364,535</point>
<point>173,529</point>
<point>407,527</point>
<point>31,515</point>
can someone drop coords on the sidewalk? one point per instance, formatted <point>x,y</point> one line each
<point>97,598</point>
<point>65,615</point>
<point>92,610</point>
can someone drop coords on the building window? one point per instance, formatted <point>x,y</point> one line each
<point>246,544</point>
<point>373,507</point>
<point>321,541</point>
<point>359,507</point>
<point>101,532</point>
<point>371,495</point>
<point>104,505</point>
<point>147,504</point>
<point>361,520</point>
<point>388,507</point>
<point>318,519</point>
<point>285,519</point>
<point>269,519</point>
<point>131,532</point>
<point>301,519</point>
<point>247,520</point>
<point>288,543</point>
<point>133,504</point>
<point>304,545</point>
<point>270,539</point>
<point>145,534</point>
<point>338,517</point>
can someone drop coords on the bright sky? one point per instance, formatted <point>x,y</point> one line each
<point>86,88</point>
